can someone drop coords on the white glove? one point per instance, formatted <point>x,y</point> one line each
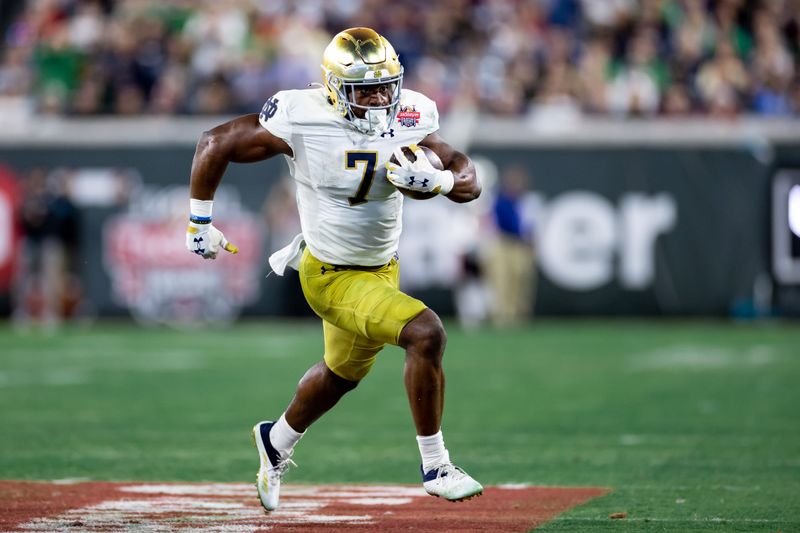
<point>420,175</point>
<point>205,240</point>
<point>202,237</point>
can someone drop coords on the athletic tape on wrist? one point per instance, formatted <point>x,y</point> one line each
<point>200,210</point>
<point>447,182</point>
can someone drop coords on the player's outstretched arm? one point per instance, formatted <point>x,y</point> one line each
<point>241,140</point>
<point>466,186</point>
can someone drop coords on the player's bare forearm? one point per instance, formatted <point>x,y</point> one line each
<point>208,166</point>
<point>241,140</point>
<point>466,186</point>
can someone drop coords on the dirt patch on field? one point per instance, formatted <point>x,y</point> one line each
<point>234,508</point>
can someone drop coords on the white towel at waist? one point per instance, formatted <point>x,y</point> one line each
<point>289,255</point>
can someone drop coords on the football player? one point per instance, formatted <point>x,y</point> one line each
<point>338,140</point>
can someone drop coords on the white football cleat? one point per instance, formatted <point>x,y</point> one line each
<point>451,483</point>
<point>272,467</point>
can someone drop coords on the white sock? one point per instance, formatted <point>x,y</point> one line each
<point>432,450</point>
<point>283,437</point>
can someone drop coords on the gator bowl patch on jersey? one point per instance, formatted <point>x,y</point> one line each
<point>408,116</point>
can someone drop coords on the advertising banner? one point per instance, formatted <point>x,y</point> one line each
<point>616,230</point>
<point>9,228</point>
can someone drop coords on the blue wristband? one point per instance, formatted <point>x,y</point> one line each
<point>199,220</point>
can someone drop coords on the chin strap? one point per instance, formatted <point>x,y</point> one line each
<point>374,121</point>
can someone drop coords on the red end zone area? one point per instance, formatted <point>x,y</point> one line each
<point>228,507</point>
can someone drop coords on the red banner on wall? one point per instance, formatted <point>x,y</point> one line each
<point>9,228</point>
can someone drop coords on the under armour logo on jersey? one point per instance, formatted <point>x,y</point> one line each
<point>269,109</point>
<point>390,133</point>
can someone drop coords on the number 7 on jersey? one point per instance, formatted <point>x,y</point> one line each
<point>352,160</point>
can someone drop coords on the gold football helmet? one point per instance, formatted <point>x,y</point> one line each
<point>357,57</point>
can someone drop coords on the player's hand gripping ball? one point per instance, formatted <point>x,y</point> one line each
<point>418,172</point>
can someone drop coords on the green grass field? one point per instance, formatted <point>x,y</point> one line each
<point>695,426</point>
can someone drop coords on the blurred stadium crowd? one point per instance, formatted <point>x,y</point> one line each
<point>505,57</point>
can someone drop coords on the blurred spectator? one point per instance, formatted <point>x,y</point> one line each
<point>723,81</point>
<point>608,14</point>
<point>677,101</point>
<point>772,96</point>
<point>472,298</point>
<point>212,97</point>
<point>774,68</point>
<point>554,58</point>
<point>45,291</point>
<point>594,71</point>
<point>636,87</point>
<point>86,26</point>
<point>58,67</point>
<point>510,259</point>
<point>15,76</point>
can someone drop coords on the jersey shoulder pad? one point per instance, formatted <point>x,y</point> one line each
<point>297,112</point>
<point>276,114</point>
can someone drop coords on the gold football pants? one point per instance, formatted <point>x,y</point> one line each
<point>362,308</point>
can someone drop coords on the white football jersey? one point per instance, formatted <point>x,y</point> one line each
<point>350,214</point>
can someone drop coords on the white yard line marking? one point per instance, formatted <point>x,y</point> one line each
<point>69,480</point>
<point>206,489</point>
<point>44,377</point>
<point>201,508</point>
<point>380,501</point>
<point>631,440</point>
<point>692,357</point>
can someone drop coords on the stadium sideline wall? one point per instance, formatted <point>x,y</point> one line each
<point>654,219</point>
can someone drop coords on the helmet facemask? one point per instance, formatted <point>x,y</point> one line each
<point>376,118</point>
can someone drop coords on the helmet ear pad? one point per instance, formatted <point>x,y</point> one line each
<point>332,83</point>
